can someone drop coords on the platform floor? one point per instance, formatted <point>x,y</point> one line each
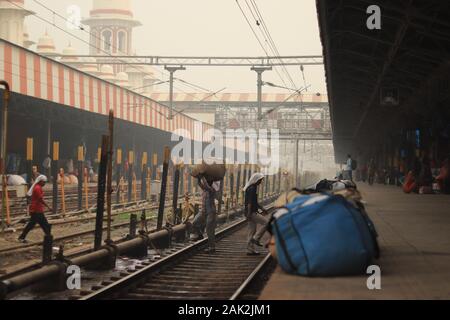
<point>414,235</point>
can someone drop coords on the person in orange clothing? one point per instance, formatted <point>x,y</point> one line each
<point>37,208</point>
<point>410,183</point>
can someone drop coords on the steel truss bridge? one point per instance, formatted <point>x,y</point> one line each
<point>200,61</point>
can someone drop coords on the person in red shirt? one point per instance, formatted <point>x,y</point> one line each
<point>37,208</point>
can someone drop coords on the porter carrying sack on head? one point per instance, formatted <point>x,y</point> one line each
<point>212,172</point>
<point>323,235</point>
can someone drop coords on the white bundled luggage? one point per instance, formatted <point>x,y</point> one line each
<point>73,179</point>
<point>16,180</point>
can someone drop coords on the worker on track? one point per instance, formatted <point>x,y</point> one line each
<point>251,212</point>
<point>208,213</point>
<point>37,208</point>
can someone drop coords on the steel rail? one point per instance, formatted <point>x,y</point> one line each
<point>113,290</point>
<point>251,278</point>
<point>9,285</point>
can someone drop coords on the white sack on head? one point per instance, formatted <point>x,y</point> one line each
<point>253,179</point>
<point>38,179</point>
<point>216,186</point>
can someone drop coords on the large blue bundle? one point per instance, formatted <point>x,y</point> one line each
<point>324,235</point>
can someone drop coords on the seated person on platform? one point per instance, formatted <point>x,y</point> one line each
<point>410,184</point>
<point>443,179</point>
<point>425,178</point>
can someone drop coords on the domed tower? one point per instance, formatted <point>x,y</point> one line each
<point>107,73</point>
<point>12,17</point>
<point>89,66</point>
<point>122,80</point>
<point>46,46</point>
<point>111,23</point>
<point>68,53</point>
<point>27,42</point>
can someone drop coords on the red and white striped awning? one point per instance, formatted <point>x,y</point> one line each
<point>31,74</point>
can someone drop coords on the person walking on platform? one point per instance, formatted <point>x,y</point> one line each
<point>37,208</point>
<point>349,168</point>
<point>208,213</point>
<point>251,212</point>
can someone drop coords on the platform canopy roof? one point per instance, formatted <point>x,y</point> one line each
<point>363,66</point>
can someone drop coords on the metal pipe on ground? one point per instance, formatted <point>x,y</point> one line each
<point>55,268</point>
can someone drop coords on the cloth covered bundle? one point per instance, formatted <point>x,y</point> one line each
<point>323,235</point>
<point>211,172</point>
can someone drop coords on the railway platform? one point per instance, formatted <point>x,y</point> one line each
<point>414,236</point>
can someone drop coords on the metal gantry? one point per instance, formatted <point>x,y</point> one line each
<point>302,122</point>
<point>201,61</point>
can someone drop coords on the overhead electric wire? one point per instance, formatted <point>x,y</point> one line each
<point>257,38</point>
<point>271,41</point>
<point>89,44</point>
<point>208,96</point>
<point>259,41</point>
<point>80,39</point>
<point>303,74</point>
<point>192,85</point>
<point>266,36</point>
<point>82,28</point>
<point>250,25</point>
<point>268,43</point>
<point>297,92</point>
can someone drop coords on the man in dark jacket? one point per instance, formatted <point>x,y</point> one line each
<point>253,217</point>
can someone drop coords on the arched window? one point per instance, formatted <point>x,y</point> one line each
<point>122,41</point>
<point>106,39</point>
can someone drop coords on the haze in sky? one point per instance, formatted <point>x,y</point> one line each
<point>206,28</point>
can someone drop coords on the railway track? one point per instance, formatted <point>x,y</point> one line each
<point>191,274</point>
<point>119,282</point>
<point>131,207</point>
<point>19,207</point>
<point>81,235</point>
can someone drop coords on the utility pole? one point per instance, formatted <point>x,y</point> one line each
<point>259,71</point>
<point>4,139</point>
<point>172,70</point>
<point>296,161</point>
<point>109,175</point>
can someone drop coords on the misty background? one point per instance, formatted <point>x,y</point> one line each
<point>205,28</point>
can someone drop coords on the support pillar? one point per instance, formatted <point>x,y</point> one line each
<point>172,70</point>
<point>259,71</point>
<point>296,162</point>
